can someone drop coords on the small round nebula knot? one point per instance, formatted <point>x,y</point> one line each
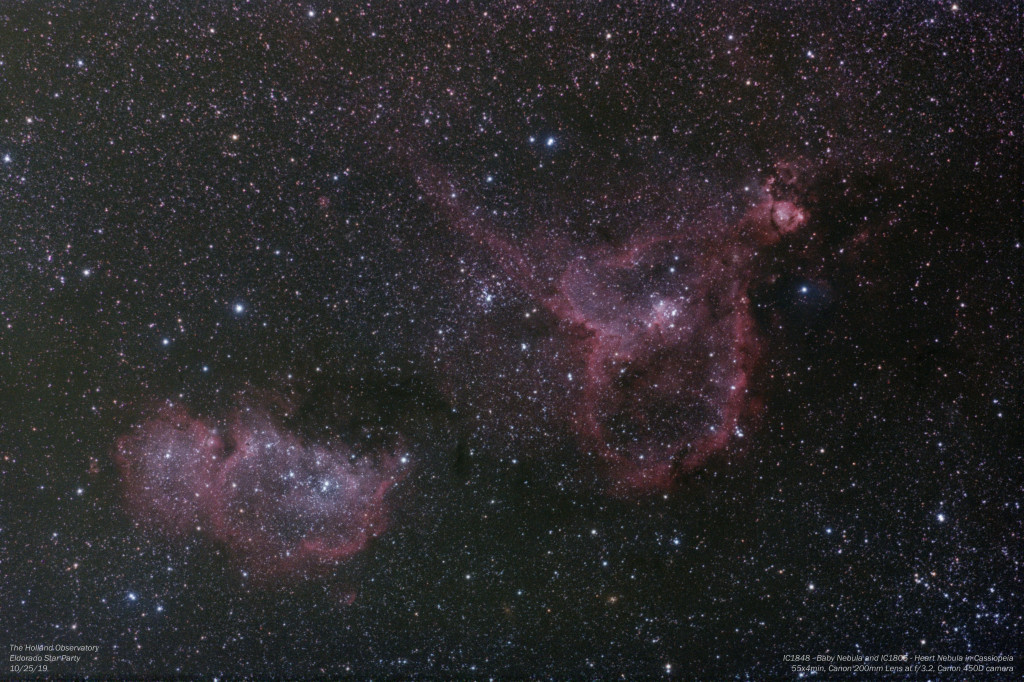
<point>281,504</point>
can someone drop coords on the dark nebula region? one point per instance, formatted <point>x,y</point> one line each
<point>282,504</point>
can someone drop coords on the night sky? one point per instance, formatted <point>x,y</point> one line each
<point>509,339</point>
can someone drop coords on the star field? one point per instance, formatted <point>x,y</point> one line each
<point>509,340</point>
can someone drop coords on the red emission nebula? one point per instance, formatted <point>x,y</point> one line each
<point>282,505</point>
<point>657,337</point>
<point>654,336</point>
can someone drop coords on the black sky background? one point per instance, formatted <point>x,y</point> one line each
<point>163,164</point>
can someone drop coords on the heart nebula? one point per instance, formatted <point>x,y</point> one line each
<point>656,331</point>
